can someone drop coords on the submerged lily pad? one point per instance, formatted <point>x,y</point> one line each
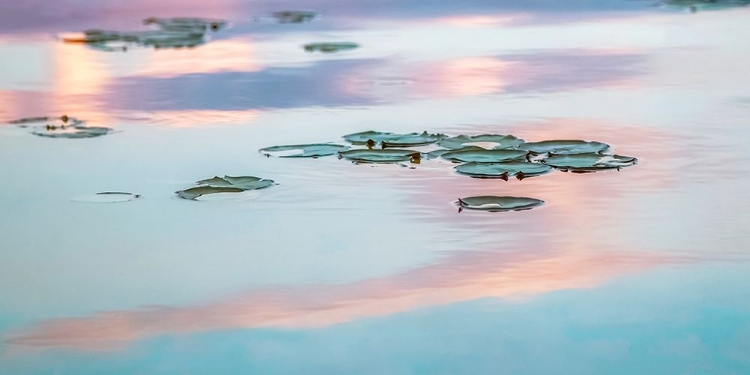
<point>519,169</point>
<point>330,47</point>
<point>494,140</point>
<point>293,16</point>
<point>226,184</point>
<point>303,151</point>
<point>498,204</point>
<point>564,147</point>
<point>387,139</point>
<point>108,197</point>
<point>589,162</point>
<point>381,156</point>
<point>483,156</point>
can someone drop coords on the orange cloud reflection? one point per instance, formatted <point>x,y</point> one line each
<point>461,277</point>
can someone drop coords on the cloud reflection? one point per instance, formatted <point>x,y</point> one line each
<point>460,277</point>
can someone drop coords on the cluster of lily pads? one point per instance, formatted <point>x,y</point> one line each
<point>60,127</point>
<point>695,5</point>
<point>168,33</point>
<point>493,156</point>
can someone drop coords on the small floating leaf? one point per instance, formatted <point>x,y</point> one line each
<point>388,139</point>
<point>303,151</point>
<point>108,197</point>
<point>61,121</point>
<point>226,184</point>
<point>498,204</point>
<point>381,156</point>
<point>564,147</point>
<point>589,162</point>
<point>497,141</point>
<point>503,170</point>
<point>483,156</point>
<point>330,47</point>
<point>293,16</point>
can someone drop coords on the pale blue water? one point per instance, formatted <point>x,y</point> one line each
<point>352,269</point>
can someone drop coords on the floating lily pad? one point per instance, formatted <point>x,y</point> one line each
<point>494,140</point>
<point>304,151</point>
<point>72,132</point>
<point>293,16</point>
<point>483,156</point>
<point>564,147</point>
<point>498,204</point>
<point>518,169</point>
<point>387,139</point>
<point>226,184</point>
<point>381,156</point>
<point>60,127</point>
<point>330,47</point>
<point>695,5</point>
<point>186,25</point>
<point>589,162</point>
<point>63,120</point>
<point>108,197</point>
<point>171,33</point>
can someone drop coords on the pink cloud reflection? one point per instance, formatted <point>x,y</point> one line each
<point>460,277</point>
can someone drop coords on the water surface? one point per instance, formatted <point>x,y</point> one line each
<point>345,268</point>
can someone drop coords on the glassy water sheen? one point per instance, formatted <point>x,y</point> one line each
<point>358,269</point>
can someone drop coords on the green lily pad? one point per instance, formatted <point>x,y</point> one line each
<point>171,33</point>
<point>589,162</point>
<point>303,151</point>
<point>387,139</point>
<point>293,16</point>
<point>483,156</point>
<point>498,204</point>
<point>496,140</point>
<point>72,132</point>
<point>226,184</point>
<point>696,5</point>
<point>108,197</point>
<point>330,47</point>
<point>564,147</point>
<point>519,169</point>
<point>62,121</point>
<point>381,156</point>
<point>186,25</point>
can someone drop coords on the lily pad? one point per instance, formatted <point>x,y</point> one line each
<point>226,184</point>
<point>589,162</point>
<point>72,132</point>
<point>564,147</point>
<point>108,197</point>
<point>293,16</point>
<point>61,121</point>
<point>303,151</point>
<point>495,140</point>
<point>186,25</point>
<point>484,156</point>
<point>503,171</point>
<point>498,204</point>
<point>387,139</point>
<point>171,33</point>
<point>330,47</point>
<point>381,156</point>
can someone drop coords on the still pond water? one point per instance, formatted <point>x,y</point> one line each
<point>346,268</point>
